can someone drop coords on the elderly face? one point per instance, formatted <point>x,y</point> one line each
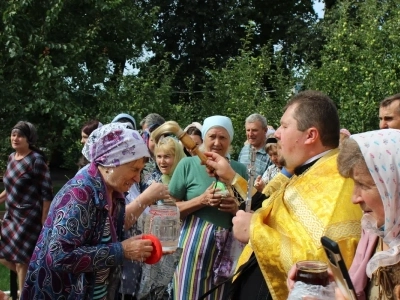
<point>217,140</point>
<point>121,178</point>
<point>255,134</point>
<point>366,194</point>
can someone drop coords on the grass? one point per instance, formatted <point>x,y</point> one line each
<point>4,272</point>
<point>4,278</point>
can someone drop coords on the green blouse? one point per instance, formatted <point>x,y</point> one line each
<point>190,180</point>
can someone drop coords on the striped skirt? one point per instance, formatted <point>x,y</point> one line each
<point>194,274</point>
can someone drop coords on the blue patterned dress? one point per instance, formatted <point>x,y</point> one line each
<point>77,255</point>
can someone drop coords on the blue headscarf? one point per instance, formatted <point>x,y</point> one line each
<point>125,116</point>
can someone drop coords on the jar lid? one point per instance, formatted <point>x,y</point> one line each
<point>156,254</point>
<point>220,185</point>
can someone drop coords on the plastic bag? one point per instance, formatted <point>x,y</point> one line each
<point>229,250</point>
<point>303,290</point>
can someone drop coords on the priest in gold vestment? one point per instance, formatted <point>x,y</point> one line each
<point>308,201</point>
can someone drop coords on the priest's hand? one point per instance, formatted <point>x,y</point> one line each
<point>221,167</point>
<point>241,226</point>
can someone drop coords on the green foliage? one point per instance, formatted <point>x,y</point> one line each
<point>360,61</point>
<point>199,35</point>
<point>65,62</point>
<point>4,278</point>
<point>5,151</point>
<point>237,90</point>
<point>58,56</point>
<point>141,94</point>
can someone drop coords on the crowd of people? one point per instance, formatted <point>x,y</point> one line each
<point>86,241</point>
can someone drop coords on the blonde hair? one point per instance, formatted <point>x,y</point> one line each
<point>171,146</point>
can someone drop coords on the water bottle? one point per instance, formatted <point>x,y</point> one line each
<point>163,221</point>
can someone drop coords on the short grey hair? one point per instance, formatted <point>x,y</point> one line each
<point>152,119</point>
<point>257,117</point>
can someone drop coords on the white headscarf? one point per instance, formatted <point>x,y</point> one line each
<point>381,151</point>
<point>114,144</point>
<point>194,124</point>
<point>218,121</point>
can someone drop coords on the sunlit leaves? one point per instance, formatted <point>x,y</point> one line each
<point>361,60</point>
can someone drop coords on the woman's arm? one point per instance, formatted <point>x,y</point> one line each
<point>74,242</point>
<point>3,196</point>
<point>45,210</point>
<point>133,210</point>
<point>43,179</point>
<point>211,197</point>
<point>188,207</point>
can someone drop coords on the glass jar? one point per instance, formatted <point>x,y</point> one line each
<point>312,272</point>
<point>163,221</point>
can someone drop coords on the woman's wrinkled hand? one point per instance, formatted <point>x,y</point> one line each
<point>228,203</point>
<point>259,184</point>
<point>291,279</point>
<point>396,292</point>
<point>155,191</point>
<point>136,248</point>
<point>209,197</point>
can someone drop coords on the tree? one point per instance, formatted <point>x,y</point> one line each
<point>237,89</point>
<point>206,34</point>
<point>360,61</point>
<point>58,56</point>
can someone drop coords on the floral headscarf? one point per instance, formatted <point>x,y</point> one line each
<point>114,144</point>
<point>381,151</point>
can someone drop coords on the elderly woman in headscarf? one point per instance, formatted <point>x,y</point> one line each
<point>28,192</point>
<point>372,160</point>
<point>168,152</point>
<point>204,211</point>
<point>80,250</point>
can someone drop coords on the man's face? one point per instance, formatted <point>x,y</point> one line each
<point>389,116</point>
<point>256,134</point>
<point>290,140</point>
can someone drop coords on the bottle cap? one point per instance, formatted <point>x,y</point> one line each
<point>156,254</point>
<point>219,185</point>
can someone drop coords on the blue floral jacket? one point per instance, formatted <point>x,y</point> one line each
<point>69,251</point>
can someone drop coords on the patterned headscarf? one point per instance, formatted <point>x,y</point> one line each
<point>114,144</point>
<point>381,151</point>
